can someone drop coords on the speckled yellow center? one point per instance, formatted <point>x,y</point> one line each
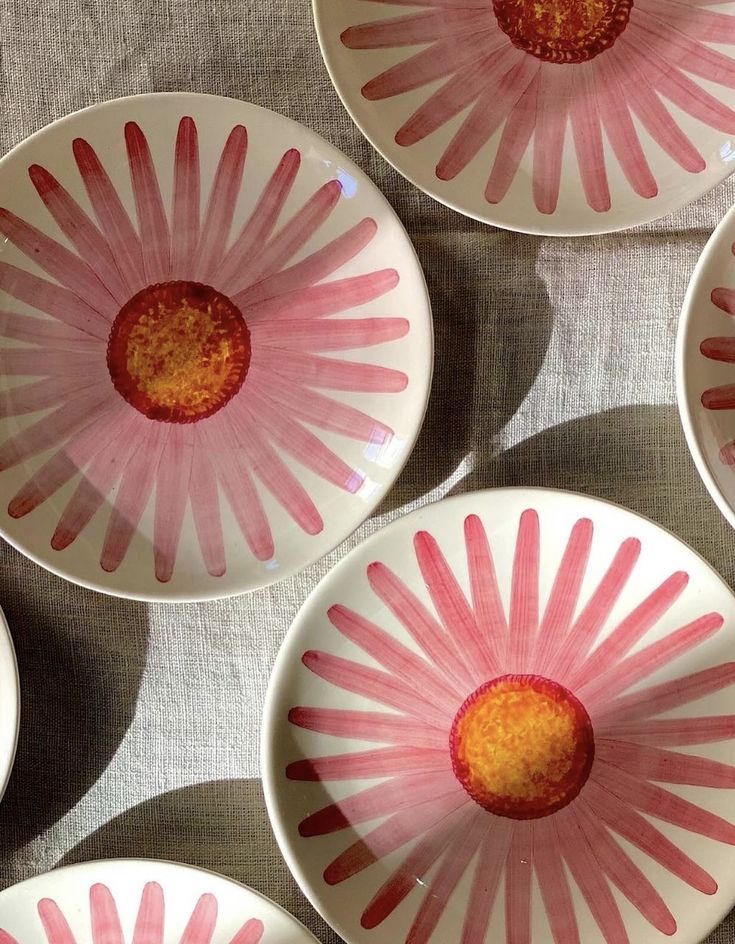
<point>178,352</point>
<point>522,746</point>
<point>563,30</point>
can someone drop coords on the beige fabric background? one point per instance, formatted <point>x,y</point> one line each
<point>554,366</point>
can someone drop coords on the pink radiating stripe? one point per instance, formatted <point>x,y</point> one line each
<point>330,298</point>
<point>258,228</point>
<point>699,24</point>
<point>173,478</point>
<point>288,240</point>
<point>421,626</point>
<point>548,142</point>
<point>724,298</point>
<point>589,877</point>
<point>26,362</point>
<point>385,798</point>
<point>564,595</point>
<point>221,204</point>
<point>512,74</point>
<point>587,132</point>
<point>315,267</point>
<point>344,334</point>
<point>49,334</point>
<point>104,918</point>
<point>250,933</point>
<point>379,727</point>
<point>623,872</point>
<point>653,763</point>
<point>588,624</point>
<point>514,143</point>
<point>133,495</point>
<point>376,685</point>
<point>672,732</point>
<point>185,207</point>
<point>42,394</point>
<point>410,873</point>
<point>662,804</point>
<point>414,29</point>
<point>205,507</point>
<point>152,222</point>
<point>54,923</point>
<point>719,349</point>
<point>54,300</point>
<point>632,629</point>
<point>454,611</point>
<point>719,398</point>
<point>304,446</point>
<point>518,877</point>
<point>466,838</point>
<point>330,373</point>
<point>111,215</point>
<point>240,491</point>
<point>202,923</point>
<point>613,100</point>
<point>79,230</point>
<point>371,765</point>
<point>319,410</point>
<point>394,657</point>
<point>626,673</point>
<point>622,819</point>
<point>659,698</point>
<point>394,832</point>
<point>682,50</point>
<point>523,618</point>
<point>553,883</point>
<point>149,923</point>
<point>486,601</point>
<point>488,872</point>
<point>60,263</point>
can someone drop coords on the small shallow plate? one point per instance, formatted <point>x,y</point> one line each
<point>126,901</point>
<point>215,347</point>
<point>557,118</point>
<point>508,717</point>
<point>9,704</point>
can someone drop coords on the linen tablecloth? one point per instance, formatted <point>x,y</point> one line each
<point>554,366</point>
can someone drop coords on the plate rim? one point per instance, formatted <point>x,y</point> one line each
<point>9,666</point>
<point>370,507</point>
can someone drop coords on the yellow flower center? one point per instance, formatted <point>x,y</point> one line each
<point>178,352</point>
<point>563,30</point>
<point>522,746</point>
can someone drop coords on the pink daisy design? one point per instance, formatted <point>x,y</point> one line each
<point>604,70</point>
<point>149,924</point>
<point>721,349</point>
<point>517,744</point>
<point>181,356</point>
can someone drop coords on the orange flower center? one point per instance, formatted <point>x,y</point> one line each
<point>563,30</point>
<point>178,352</point>
<point>522,746</point>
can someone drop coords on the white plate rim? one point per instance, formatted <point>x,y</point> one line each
<point>9,703</point>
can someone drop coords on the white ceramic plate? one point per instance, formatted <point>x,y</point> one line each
<point>201,301</point>
<point>508,717</point>
<point>128,901</point>
<point>556,117</point>
<point>9,703</point>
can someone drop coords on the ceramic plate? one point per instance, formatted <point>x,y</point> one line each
<point>507,717</point>
<point>553,117</point>
<point>705,366</point>
<point>9,704</point>
<point>129,901</point>
<point>201,301</point>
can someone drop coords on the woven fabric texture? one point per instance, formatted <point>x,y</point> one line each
<point>554,366</point>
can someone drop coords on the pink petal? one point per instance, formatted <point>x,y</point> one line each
<point>553,882</point>
<point>111,215</point>
<point>328,373</point>
<point>488,872</point>
<point>719,398</point>
<point>371,765</point>
<point>380,727</point>
<point>54,923</point>
<point>105,920</point>
<point>84,366</point>
<point>250,933</point>
<point>673,732</point>
<point>173,478</point>
<point>698,24</point>
<point>687,95</point>
<point>548,143</point>
<point>50,334</point>
<point>682,50</point>
<point>724,298</point>
<point>514,143</point>
<point>258,228</point>
<point>202,923</point>
<point>414,29</point>
<point>587,132</point>
<point>152,222</point>
<point>653,763</point>
<point>719,349</point>
<point>518,885</point>
<point>79,230</point>
<point>523,619</point>
<point>205,507</point>
<point>486,601</point>
<point>221,204</point>
<point>344,334</point>
<point>42,394</point>
<point>149,923</point>
<point>6,938</point>
<point>186,199</point>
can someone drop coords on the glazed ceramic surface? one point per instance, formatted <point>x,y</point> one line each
<point>508,717</point>
<point>554,117</point>
<point>216,347</point>
<point>9,704</point>
<point>139,902</point>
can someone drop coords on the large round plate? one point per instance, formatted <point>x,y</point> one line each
<point>556,117</point>
<point>201,301</point>
<point>128,901</point>
<point>508,717</point>
<point>9,703</point>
